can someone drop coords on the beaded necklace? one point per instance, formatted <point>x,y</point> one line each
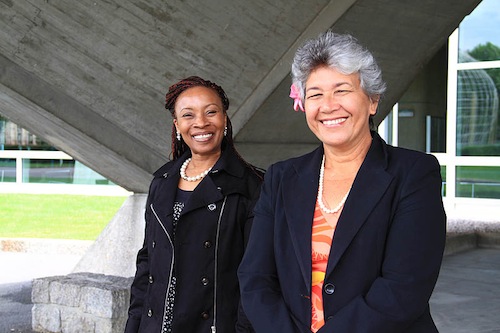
<point>195,178</point>
<point>320,193</point>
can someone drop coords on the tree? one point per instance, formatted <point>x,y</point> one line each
<point>488,52</point>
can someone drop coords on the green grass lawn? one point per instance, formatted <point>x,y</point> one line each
<point>56,216</point>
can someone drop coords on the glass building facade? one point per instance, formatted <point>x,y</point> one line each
<point>474,72</point>
<point>462,131</point>
<point>27,159</point>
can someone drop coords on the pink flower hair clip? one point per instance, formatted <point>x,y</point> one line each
<point>297,101</point>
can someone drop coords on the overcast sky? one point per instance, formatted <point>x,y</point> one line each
<point>481,26</point>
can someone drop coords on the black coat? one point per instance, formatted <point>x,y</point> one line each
<point>385,255</point>
<point>208,246</point>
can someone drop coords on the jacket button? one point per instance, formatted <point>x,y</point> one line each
<point>205,316</point>
<point>204,281</point>
<point>212,207</point>
<point>150,279</point>
<point>207,244</point>
<point>153,244</point>
<point>150,313</point>
<point>329,288</point>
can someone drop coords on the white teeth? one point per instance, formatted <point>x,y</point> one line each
<point>334,121</point>
<point>202,136</point>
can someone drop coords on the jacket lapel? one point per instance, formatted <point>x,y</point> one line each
<point>299,198</point>
<point>206,193</point>
<point>224,179</point>
<point>369,186</point>
<point>165,192</point>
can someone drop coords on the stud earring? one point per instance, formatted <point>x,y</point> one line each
<point>178,136</point>
<point>225,131</point>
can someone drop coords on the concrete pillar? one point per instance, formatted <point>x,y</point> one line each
<point>115,250</point>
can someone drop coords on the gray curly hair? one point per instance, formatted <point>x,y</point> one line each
<point>342,52</point>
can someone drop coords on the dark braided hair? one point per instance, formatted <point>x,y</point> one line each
<point>193,81</point>
<point>179,147</point>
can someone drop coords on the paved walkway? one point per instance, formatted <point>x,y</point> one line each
<point>466,299</point>
<point>16,273</point>
<point>467,295</point>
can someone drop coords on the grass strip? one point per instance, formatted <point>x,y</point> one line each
<point>77,217</point>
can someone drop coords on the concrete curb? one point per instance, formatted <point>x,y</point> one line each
<point>45,246</point>
<point>465,233</point>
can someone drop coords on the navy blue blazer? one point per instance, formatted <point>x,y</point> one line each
<point>385,256</point>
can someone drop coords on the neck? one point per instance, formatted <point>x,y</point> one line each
<point>204,161</point>
<point>346,162</point>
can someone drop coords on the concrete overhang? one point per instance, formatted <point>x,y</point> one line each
<point>90,76</point>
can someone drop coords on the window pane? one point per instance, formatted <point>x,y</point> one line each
<point>436,134</point>
<point>478,182</point>
<point>60,171</point>
<point>443,177</point>
<point>48,171</point>
<point>7,170</point>
<point>479,39</point>
<point>478,112</point>
<point>85,175</point>
<point>13,137</point>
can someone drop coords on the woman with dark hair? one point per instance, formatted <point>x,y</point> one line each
<point>348,238</point>
<point>198,218</point>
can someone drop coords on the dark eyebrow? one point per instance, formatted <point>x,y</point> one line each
<point>188,108</point>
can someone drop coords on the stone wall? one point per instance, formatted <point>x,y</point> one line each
<point>80,303</point>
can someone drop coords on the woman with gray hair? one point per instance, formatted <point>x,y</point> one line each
<point>350,237</point>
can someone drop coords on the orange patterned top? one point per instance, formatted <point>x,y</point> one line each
<point>322,236</point>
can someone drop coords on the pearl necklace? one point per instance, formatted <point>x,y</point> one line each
<point>195,178</point>
<point>320,193</point>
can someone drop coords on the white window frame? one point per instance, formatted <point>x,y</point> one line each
<point>450,159</point>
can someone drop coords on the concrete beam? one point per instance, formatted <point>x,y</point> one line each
<point>324,20</point>
<point>100,69</point>
<point>75,129</point>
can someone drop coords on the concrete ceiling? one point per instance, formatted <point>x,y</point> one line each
<point>90,76</point>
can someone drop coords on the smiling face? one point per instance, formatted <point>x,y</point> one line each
<point>337,108</point>
<point>200,118</point>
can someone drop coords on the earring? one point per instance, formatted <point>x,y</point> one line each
<point>225,131</point>
<point>178,136</point>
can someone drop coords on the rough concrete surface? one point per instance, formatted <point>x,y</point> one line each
<point>90,77</point>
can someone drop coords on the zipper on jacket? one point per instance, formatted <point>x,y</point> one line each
<point>171,264</point>
<point>214,327</point>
